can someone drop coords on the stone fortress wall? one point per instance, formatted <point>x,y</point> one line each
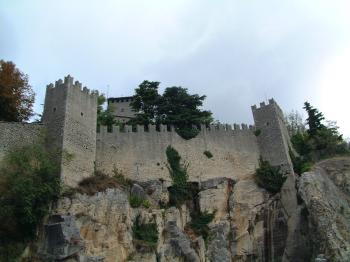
<point>70,115</point>
<point>69,121</point>
<point>141,155</point>
<point>16,134</point>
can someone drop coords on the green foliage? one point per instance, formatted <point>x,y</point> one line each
<point>180,191</point>
<point>257,132</point>
<point>135,201</point>
<point>145,102</point>
<point>314,119</point>
<point>146,203</point>
<point>269,177</point>
<point>29,182</point>
<point>145,235</point>
<point>300,164</point>
<point>105,117</point>
<point>319,141</point>
<point>179,108</point>
<point>199,223</point>
<point>208,154</point>
<point>187,132</point>
<point>301,144</point>
<point>175,107</point>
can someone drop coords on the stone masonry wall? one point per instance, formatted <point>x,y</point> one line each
<point>273,138</point>
<point>141,155</point>
<point>14,134</point>
<point>70,114</point>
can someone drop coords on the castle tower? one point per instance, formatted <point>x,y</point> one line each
<point>70,114</point>
<point>272,135</point>
<point>121,108</point>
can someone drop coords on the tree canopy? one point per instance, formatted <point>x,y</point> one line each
<point>314,119</point>
<point>318,141</point>
<point>175,107</point>
<point>105,117</point>
<point>16,95</point>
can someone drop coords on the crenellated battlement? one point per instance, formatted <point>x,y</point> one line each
<point>271,104</point>
<point>70,116</point>
<point>227,128</point>
<point>68,82</point>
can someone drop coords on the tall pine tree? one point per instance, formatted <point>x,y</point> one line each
<point>314,119</point>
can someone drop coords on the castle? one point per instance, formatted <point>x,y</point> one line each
<point>69,122</point>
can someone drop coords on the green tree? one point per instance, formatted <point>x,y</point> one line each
<point>317,142</point>
<point>16,95</point>
<point>314,119</point>
<point>29,182</point>
<point>145,103</point>
<point>105,117</point>
<point>175,107</point>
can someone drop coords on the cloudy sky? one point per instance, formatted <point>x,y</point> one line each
<point>237,52</point>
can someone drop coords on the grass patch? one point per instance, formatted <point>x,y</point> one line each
<point>136,201</point>
<point>145,235</point>
<point>208,154</point>
<point>269,177</point>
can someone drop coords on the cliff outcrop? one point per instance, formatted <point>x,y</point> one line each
<point>249,224</point>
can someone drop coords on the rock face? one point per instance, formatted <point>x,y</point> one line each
<point>249,223</point>
<point>325,192</point>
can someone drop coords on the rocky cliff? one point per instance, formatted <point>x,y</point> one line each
<point>249,224</point>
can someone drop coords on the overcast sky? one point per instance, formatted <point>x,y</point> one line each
<point>237,52</point>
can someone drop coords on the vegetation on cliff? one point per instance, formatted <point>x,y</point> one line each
<point>180,190</point>
<point>145,235</point>
<point>269,177</point>
<point>199,223</point>
<point>175,107</point>
<point>317,141</point>
<point>29,182</point>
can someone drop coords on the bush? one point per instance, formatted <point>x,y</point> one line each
<point>187,132</point>
<point>199,223</point>
<point>29,182</point>
<point>257,132</point>
<point>135,201</point>
<point>146,204</point>
<point>208,154</point>
<point>145,235</point>
<point>269,177</point>
<point>300,165</point>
